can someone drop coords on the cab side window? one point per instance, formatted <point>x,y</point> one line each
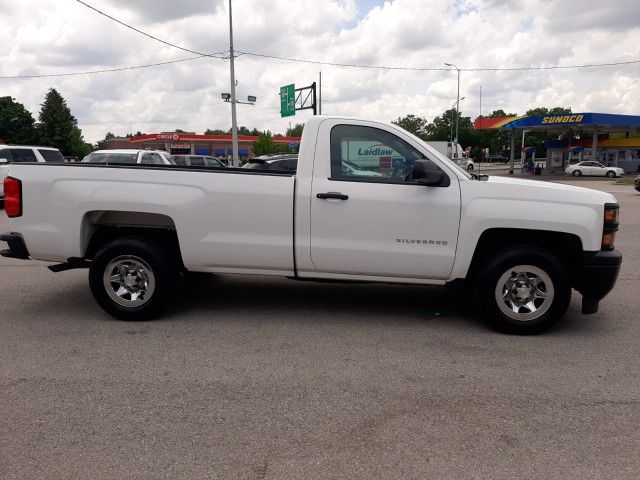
<point>370,154</point>
<point>23,155</point>
<point>6,154</point>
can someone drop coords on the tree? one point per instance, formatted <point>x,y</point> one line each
<point>443,128</point>
<point>265,145</point>
<point>16,123</point>
<point>295,131</point>
<point>58,127</point>
<point>109,135</point>
<point>414,124</point>
<point>217,131</point>
<point>79,147</point>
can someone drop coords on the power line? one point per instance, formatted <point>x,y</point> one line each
<point>215,55</point>
<point>553,67</point>
<point>337,64</point>
<point>88,72</point>
<point>436,69</point>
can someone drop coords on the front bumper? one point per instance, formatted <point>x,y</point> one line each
<point>599,274</point>
<point>17,247</point>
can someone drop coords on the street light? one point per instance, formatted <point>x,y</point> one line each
<point>457,103</point>
<point>451,134</point>
<point>251,99</point>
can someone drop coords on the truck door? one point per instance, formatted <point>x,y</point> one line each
<point>368,217</point>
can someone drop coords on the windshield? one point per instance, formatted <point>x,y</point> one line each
<point>108,157</point>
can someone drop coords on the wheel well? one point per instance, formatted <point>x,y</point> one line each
<point>567,247</point>
<point>101,227</point>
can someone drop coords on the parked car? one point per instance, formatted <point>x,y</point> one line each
<point>127,156</point>
<point>518,246</point>
<point>25,153</point>
<point>284,162</point>
<point>203,161</point>
<point>591,168</point>
<point>497,159</point>
<point>637,182</point>
<point>469,163</point>
<point>465,162</point>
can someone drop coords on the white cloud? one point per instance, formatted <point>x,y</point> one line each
<point>49,36</point>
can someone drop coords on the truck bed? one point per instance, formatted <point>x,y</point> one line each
<point>220,215</point>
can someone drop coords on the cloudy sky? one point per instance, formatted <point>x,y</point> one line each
<point>61,36</point>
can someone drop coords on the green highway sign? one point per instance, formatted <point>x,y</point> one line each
<point>288,100</point>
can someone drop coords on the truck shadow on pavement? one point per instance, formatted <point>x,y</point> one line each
<point>206,294</point>
<point>233,298</point>
<point>229,295</point>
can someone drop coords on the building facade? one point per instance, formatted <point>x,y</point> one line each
<point>192,143</point>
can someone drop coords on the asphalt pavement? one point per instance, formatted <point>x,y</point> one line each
<point>250,377</point>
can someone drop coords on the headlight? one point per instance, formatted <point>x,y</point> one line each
<point>610,227</point>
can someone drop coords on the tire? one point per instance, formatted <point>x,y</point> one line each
<point>539,308</point>
<point>141,294</point>
<point>469,168</point>
<point>611,174</point>
<point>576,173</point>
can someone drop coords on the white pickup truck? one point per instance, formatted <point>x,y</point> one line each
<point>515,248</point>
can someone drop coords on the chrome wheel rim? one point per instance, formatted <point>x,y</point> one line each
<point>129,281</point>
<point>524,293</point>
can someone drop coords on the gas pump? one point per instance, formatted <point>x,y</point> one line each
<point>528,160</point>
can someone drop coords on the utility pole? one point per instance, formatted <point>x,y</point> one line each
<point>320,95</point>
<point>234,120</point>
<point>457,105</point>
<point>481,148</point>
<point>451,126</point>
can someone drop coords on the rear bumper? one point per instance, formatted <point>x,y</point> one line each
<point>17,247</point>
<point>599,274</point>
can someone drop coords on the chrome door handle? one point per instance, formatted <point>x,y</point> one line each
<point>333,195</point>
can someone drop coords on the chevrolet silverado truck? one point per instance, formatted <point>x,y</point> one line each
<point>515,248</point>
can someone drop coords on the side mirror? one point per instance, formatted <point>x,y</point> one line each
<point>425,173</point>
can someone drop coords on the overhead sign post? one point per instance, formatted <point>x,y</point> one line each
<point>293,99</point>
<point>288,100</point>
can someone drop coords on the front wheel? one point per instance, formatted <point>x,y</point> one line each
<point>131,278</point>
<point>576,173</point>
<point>611,174</point>
<point>470,167</point>
<point>523,290</point>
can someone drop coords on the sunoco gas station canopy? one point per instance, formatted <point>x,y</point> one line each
<point>585,122</point>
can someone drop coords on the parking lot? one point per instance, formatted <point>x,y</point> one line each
<point>270,378</point>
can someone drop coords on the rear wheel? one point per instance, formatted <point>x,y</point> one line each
<point>523,290</point>
<point>576,173</point>
<point>611,174</point>
<point>131,278</point>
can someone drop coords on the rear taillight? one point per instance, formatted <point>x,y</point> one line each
<point>12,197</point>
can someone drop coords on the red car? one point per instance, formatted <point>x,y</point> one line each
<point>638,183</point>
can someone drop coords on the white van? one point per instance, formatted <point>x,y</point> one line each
<point>25,153</point>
